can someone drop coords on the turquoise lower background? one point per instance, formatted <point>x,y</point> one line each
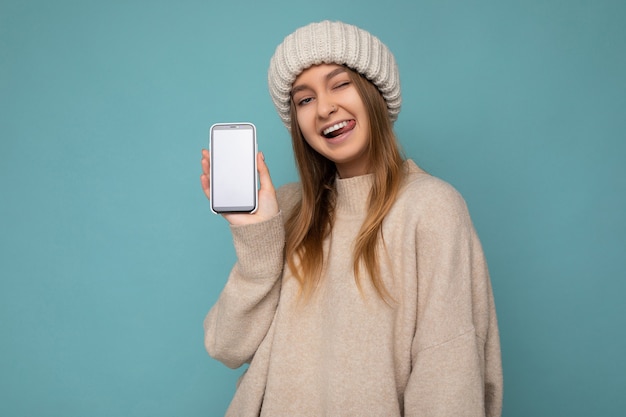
<point>110,258</point>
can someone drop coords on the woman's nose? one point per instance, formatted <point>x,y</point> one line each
<point>325,107</point>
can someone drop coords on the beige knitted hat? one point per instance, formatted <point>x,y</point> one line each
<point>333,43</point>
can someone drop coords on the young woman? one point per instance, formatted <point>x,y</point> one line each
<point>362,290</point>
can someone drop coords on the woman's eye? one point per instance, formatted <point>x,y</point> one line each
<point>304,101</point>
<point>342,84</point>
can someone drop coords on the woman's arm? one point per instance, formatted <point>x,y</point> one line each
<point>456,364</point>
<point>241,317</point>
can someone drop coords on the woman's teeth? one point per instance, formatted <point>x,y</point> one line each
<point>333,128</point>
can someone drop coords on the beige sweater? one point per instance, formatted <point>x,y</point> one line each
<point>435,352</point>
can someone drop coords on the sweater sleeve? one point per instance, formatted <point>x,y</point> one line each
<point>456,364</point>
<point>242,315</point>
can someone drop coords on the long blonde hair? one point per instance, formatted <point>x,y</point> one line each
<point>312,219</point>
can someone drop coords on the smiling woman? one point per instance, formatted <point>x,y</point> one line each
<point>332,117</point>
<point>405,326</point>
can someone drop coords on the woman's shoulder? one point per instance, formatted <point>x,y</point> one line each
<point>428,192</point>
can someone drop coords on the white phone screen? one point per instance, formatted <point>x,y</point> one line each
<point>233,168</point>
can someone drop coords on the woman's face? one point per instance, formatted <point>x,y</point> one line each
<point>332,117</point>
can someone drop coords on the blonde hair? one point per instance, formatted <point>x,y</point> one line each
<point>312,219</point>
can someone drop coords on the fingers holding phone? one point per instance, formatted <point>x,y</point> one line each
<point>206,173</point>
<point>229,175</point>
<point>268,204</point>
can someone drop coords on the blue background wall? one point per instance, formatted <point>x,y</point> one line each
<point>110,258</point>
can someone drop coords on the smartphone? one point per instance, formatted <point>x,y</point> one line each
<point>233,180</point>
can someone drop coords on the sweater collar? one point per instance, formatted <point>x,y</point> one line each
<point>353,193</point>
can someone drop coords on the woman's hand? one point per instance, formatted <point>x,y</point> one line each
<point>267,205</point>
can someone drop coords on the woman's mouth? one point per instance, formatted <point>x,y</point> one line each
<point>338,129</point>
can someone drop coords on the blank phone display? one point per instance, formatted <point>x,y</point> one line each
<point>233,168</point>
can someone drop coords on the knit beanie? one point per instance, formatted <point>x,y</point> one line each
<point>333,43</point>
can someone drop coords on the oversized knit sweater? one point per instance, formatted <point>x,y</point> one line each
<point>433,351</point>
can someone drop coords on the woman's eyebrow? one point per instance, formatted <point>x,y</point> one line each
<point>298,88</point>
<point>328,77</point>
<point>334,72</point>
